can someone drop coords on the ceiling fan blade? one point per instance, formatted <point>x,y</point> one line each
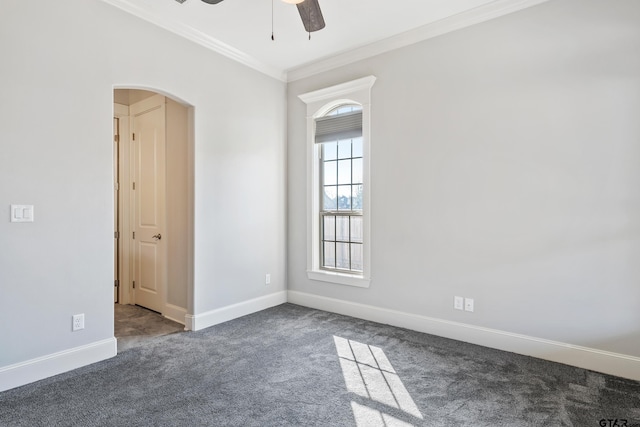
<point>311,15</point>
<point>212,1</point>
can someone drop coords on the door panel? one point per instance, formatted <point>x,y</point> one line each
<point>148,147</point>
<point>149,259</point>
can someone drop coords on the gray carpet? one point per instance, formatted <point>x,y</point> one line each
<point>293,366</point>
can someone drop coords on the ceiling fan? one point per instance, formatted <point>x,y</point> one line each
<point>309,12</point>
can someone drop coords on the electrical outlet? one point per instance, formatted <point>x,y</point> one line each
<point>458,303</point>
<point>267,279</point>
<point>468,304</point>
<point>78,322</point>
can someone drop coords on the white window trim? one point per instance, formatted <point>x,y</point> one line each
<point>319,103</point>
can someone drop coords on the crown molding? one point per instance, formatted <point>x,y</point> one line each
<point>199,37</point>
<point>474,16</point>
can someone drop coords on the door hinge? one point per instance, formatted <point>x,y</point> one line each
<point>116,138</point>
<point>134,284</point>
<point>116,283</point>
<point>116,235</point>
<point>116,186</point>
<point>133,136</point>
<point>134,235</point>
<point>134,185</point>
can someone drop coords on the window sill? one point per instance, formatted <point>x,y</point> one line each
<point>339,278</point>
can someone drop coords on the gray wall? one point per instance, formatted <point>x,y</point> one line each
<point>60,62</point>
<point>505,168</point>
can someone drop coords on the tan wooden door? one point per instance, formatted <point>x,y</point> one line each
<point>148,171</point>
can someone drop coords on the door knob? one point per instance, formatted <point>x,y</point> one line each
<point>157,236</point>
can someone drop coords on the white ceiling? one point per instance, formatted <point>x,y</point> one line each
<point>355,29</point>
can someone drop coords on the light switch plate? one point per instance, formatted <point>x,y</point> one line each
<point>21,213</point>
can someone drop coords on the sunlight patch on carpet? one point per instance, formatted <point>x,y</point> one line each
<point>368,373</point>
<point>369,417</point>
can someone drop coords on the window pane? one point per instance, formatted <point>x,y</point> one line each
<point>357,198</point>
<point>347,108</point>
<point>329,255</point>
<point>357,147</point>
<point>342,232</point>
<point>344,198</point>
<point>342,228</point>
<point>356,229</point>
<point>330,198</point>
<point>342,255</point>
<point>344,172</point>
<point>357,257</point>
<point>329,229</point>
<point>357,171</point>
<point>329,151</point>
<point>344,149</point>
<point>330,173</point>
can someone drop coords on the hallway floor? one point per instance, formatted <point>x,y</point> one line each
<point>135,326</point>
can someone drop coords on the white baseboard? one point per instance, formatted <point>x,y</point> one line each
<point>224,314</point>
<point>53,364</point>
<point>175,313</point>
<point>583,357</point>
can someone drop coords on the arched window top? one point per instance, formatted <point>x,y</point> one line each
<point>344,109</point>
<point>343,121</point>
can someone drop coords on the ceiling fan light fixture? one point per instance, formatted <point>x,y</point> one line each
<point>293,1</point>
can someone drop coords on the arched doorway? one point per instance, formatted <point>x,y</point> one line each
<point>153,199</point>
